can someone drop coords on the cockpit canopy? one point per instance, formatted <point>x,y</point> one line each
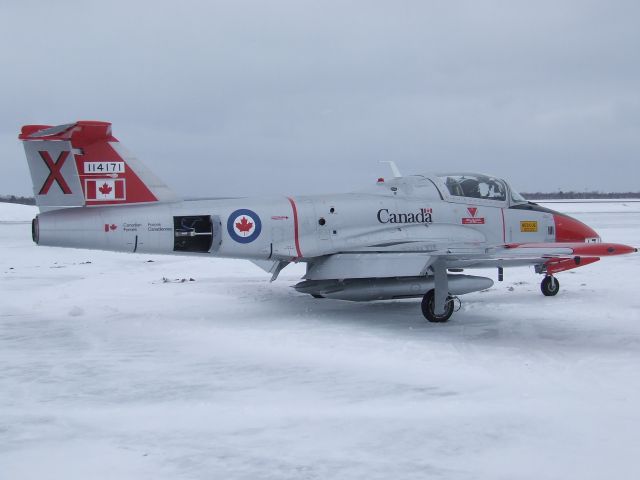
<point>479,186</point>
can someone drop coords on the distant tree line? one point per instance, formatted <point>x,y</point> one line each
<point>17,199</point>
<point>579,195</point>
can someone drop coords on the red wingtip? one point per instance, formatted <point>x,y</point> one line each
<point>602,249</point>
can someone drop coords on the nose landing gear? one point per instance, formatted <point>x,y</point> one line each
<point>550,286</point>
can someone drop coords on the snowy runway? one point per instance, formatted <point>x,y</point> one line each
<point>108,372</point>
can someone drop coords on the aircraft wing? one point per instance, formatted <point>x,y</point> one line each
<point>558,257</point>
<point>572,249</point>
<point>370,265</point>
<point>555,257</point>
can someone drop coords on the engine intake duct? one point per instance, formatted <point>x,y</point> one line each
<point>366,289</point>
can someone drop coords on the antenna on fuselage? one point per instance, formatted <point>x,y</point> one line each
<point>394,168</point>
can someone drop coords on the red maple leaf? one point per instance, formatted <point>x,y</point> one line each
<point>243,225</point>
<point>105,188</point>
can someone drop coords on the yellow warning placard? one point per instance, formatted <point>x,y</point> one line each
<point>529,226</point>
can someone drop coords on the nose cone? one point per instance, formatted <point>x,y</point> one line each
<point>569,229</point>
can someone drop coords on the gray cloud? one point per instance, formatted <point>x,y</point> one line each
<point>254,97</point>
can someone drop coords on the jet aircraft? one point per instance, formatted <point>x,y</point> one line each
<point>405,237</point>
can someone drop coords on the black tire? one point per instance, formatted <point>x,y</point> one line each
<point>428,306</point>
<point>550,286</point>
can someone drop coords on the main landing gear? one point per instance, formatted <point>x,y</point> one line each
<point>428,307</point>
<point>437,304</point>
<point>550,286</point>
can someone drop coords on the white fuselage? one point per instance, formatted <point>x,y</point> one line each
<point>407,214</point>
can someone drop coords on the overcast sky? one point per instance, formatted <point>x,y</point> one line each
<point>268,97</point>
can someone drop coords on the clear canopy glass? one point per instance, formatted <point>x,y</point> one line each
<point>475,185</point>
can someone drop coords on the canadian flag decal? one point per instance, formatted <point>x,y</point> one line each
<point>104,189</point>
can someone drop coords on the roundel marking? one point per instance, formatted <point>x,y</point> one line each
<point>244,225</point>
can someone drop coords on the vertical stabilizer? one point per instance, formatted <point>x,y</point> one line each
<point>82,164</point>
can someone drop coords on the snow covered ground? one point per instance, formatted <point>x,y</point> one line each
<point>106,372</point>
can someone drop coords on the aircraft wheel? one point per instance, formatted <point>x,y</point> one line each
<point>550,286</point>
<point>428,306</point>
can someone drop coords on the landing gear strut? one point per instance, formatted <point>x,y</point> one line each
<point>428,308</point>
<point>550,286</point>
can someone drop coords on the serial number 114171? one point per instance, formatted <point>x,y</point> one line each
<point>103,167</point>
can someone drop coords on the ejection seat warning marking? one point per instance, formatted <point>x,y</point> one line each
<point>473,219</point>
<point>103,167</point>
<point>530,227</point>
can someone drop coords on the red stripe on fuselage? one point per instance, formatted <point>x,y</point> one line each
<point>295,226</point>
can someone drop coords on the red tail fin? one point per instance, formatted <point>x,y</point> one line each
<point>83,164</point>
